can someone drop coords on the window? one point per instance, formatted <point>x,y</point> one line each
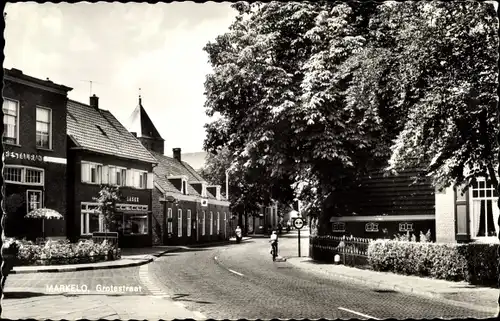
<point>338,227</point>
<point>179,222</point>
<point>117,175</point>
<point>218,223</point>
<point>225,224</point>
<point>23,175</point>
<point>484,212</point>
<point>211,223</point>
<point>33,199</point>
<point>406,227</point>
<point>10,110</point>
<point>371,227</point>
<point>91,221</point>
<point>188,223</point>
<point>139,179</point>
<point>91,173</point>
<point>204,225</point>
<point>43,127</point>
<point>134,224</point>
<point>169,221</point>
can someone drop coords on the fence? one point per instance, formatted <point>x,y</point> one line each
<point>109,237</point>
<point>353,251</point>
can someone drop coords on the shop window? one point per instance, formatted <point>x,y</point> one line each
<point>10,110</point>
<point>338,227</point>
<point>91,220</point>
<point>23,175</point>
<point>43,127</point>
<point>179,222</point>
<point>371,227</point>
<point>33,199</point>
<point>134,224</point>
<point>169,221</point>
<point>188,232</point>
<point>484,210</point>
<point>406,227</point>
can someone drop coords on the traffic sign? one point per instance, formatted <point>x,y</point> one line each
<point>298,223</point>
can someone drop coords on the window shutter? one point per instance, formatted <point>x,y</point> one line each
<point>112,175</point>
<point>105,174</point>
<point>129,178</point>
<point>85,172</point>
<point>150,181</point>
<point>462,215</point>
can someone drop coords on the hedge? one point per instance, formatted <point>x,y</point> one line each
<point>64,252</point>
<point>475,263</point>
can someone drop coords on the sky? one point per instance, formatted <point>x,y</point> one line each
<point>121,48</point>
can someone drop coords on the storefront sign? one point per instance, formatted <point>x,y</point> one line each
<point>27,156</point>
<point>132,199</point>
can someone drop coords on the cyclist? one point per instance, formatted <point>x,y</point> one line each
<point>274,242</point>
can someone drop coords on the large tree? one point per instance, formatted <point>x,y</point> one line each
<point>319,93</point>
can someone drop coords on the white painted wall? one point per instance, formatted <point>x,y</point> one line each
<point>445,216</point>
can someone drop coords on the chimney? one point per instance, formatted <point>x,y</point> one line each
<point>94,102</point>
<point>177,153</point>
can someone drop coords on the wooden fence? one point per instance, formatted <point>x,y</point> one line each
<point>353,251</point>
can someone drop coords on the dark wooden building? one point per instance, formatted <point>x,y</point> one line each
<point>383,205</point>
<point>186,210</point>
<point>34,149</point>
<point>102,151</point>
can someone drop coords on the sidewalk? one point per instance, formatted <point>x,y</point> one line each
<point>455,293</point>
<point>94,307</point>
<point>130,257</point>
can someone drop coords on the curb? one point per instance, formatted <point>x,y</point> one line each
<point>82,268</point>
<point>411,290</point>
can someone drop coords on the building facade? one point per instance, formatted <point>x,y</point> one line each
<point>467,215</point>
<point>102,152</point>
<point>385,205</point>
<point>34,141</point>
<point>186,210</point>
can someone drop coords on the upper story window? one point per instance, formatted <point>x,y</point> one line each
<point>184,187</point>
<point>117,176</point>
<point>10,110</point>
<point>95,173</point>
<point>43,127</point>
<point>23,175</point>
<point>484,211</point>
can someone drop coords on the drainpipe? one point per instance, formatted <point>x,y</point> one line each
<point>227,184</point>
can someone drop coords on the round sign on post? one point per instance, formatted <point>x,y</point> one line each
<point>298,223</point>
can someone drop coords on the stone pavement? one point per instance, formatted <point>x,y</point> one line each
<point>482,299</point>
<point>94,307</point>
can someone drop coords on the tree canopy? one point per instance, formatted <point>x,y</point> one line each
<point>316,94</point>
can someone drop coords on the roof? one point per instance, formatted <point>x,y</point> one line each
<point>140,123</point>
<point>168,166</point>
<point>16,74</point>
<point>197,160</point>
<point>99,131</point>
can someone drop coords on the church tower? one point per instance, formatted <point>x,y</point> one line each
<point>141,126</point>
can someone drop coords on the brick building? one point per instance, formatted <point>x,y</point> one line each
<point>34,141</point>
<point>186,209</point>
<point>102,151</point>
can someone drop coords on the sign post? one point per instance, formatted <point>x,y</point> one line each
<point>298,223</point>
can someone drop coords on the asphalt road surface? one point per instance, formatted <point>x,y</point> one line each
<point>241,281</point>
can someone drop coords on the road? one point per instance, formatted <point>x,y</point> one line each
<point>241,281</point>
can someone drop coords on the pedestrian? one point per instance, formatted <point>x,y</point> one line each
<point>238,234</point>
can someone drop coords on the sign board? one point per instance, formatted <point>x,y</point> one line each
<point>132,199</point>
<point>27,156</point>
<point>204,202</point>
<point>298,223</point>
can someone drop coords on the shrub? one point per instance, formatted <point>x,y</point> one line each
<point>64,252</point>
<point>482,263</point>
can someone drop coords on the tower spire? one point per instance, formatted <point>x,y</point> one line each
<point>140,98</point>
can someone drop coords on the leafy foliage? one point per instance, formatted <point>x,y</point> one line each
<point>316,94</point>
<point>108,197</point>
